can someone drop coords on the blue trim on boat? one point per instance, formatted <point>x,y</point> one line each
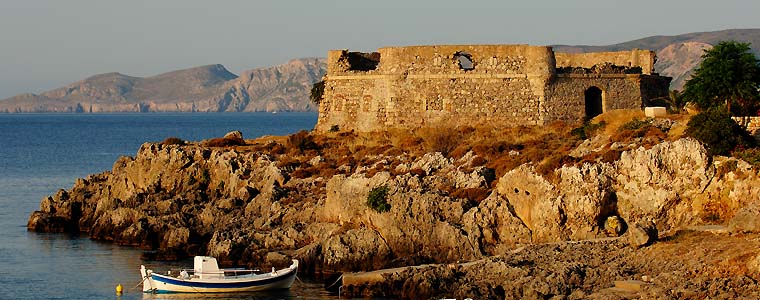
<point>199,284</point>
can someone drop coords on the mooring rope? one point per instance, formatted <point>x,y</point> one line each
<point>141,282</point>
<point>336,281</point>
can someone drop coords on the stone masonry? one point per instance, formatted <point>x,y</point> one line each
<point>501,85</point>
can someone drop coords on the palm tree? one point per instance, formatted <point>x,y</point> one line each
<point>675,101</point>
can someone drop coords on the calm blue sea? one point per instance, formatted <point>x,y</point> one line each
<point>41,153</point>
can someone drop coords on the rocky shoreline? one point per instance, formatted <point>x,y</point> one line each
<point>267,200</point>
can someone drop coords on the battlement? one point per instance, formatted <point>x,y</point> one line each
<point>509,85</point>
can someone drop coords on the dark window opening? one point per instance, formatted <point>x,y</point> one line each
<point>593,97</point>
<point>465,61</point>
<point>360,61</point>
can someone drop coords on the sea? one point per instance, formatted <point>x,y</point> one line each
<point>42,153</point>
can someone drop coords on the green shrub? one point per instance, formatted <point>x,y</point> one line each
<point>302,141</point>
<point>718,132</point>
<point>377,199</point>
<point>635,124</point>
<point>334,128</point>
<point>726,167</point>
<point>587,130</point>
<point>205,177</point>
<point>751,155</point>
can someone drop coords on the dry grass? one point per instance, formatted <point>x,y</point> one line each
<point>224,142</point>
<point>501,149</point>
<point>616,118</point>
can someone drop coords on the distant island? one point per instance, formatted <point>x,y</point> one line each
<point>286,87</point>
<point>210,88</point>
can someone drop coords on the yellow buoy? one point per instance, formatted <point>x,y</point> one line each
<point>119,289</point>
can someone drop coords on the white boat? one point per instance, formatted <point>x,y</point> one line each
<point>206,277</point>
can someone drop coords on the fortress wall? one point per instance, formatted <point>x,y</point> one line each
<point>506,85</point>
<point>428,86</point>
<point>486,59</point>
<point>463,101</point>
<point>353,103</point>
<point>634,58</point>
<point>567,94</point>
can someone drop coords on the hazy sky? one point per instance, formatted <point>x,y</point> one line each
<point>46,44</point>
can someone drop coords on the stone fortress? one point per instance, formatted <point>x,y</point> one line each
<point>501,85</point>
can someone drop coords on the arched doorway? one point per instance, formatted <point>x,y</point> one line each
<point>593,102</point>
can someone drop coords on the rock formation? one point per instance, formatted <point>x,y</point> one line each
<point>257,204</point>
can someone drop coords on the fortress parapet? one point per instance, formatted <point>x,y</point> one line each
<point>502,85</point>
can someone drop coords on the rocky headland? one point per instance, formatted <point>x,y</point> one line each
<point>533,213</point>
<point>208,88</point>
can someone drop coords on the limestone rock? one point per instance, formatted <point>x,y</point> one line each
<point>654,183</point>
<point>431,162</point>
<point>641,234</point>
<point>235,134</point>
<point>747,219</point>
<point>240,206</point>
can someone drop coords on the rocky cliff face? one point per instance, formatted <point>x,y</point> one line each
<point>202,89</point>
<point>245,206</point>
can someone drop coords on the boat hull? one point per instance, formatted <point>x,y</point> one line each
<point>156,283</point>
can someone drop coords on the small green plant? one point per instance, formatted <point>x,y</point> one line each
<point>587,130</point>
<point>635,124</point>
<point>205,177</point>
<point>377,199</point>
<point>751,155</point>
<point>726,167</point>
<point>334,128</point>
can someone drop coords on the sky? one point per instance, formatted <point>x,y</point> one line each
<point>45,44</point>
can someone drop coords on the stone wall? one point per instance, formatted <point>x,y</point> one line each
<point>449,86</point>
<point>619,91</point>
<point>753,124</point>
<point>634,58</point>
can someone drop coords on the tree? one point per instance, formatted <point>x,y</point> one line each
<point>729,76</point>
<point>317,91</point>
<point>675,102</point>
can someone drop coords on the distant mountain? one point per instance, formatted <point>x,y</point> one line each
<point>677,55</point>
<point>286,87</point>
<point>202,89</point>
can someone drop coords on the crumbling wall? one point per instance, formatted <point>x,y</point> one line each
<point>456,85</point>
<point>435,86</point>
<point>634,58</point>
<point>463,101</point>
<point>486,59</point>
<point>568,101</point>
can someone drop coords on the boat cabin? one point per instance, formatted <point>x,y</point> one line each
<point>205,267</point>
